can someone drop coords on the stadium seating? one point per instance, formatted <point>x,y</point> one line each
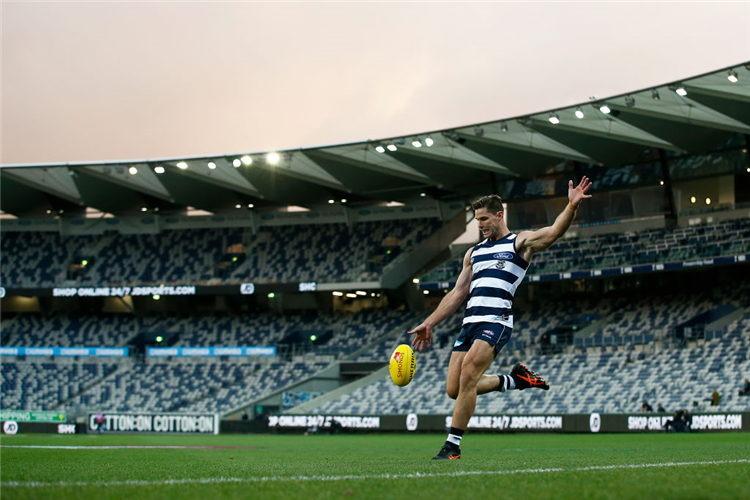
<point>29,385</point>
<point>273,254</point>
<point>624,249</point>
<point>580,383</point>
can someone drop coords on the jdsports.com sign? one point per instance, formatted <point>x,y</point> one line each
<point>156,423</point>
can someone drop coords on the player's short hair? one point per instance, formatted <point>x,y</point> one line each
<point>492,203</point>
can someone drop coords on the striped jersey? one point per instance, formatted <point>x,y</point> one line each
<point>496,272</point>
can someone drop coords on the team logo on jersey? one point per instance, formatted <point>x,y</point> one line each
<point>500,264</point>
<point>503,256</point>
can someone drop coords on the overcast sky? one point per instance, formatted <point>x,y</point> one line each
<point>108,81</point>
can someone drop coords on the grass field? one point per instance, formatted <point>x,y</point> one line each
<point>376,466</point>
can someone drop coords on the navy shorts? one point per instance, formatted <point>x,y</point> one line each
<point>495,334</point>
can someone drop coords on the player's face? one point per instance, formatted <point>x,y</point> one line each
<point>489,223</point>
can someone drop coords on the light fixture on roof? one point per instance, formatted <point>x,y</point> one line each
<point>133,170</point>
<point>144,209</point>
<point>478,131</point>
<point>250,205</point>
<point>331,202</point>
<point>429,142</point>
<point>380,149</point>
<point>681,91</point>
<point>504,127</point>
<point>246,160</point>
<point>211,165</point>
<point>415,281</point>
<point>273,158</point>
<point>338,294</point>
<point>708,201</point>
<point>422,194</point>
<point>579,113</point>
<point>732,77</point>
<point>343,200</point>
<point>159,169</point>
<point>554,119</point>
<point>182,165</point>
<point>661,183</point>
<point>692,199</point>
<point>236,163</point>
<point>416,143</point>
<point>361,292</point>
<point>391,147</point>
<point>629,101</point>
<point>655,95</point>
<point>605,109</point>
<point>238,205</point>
<point>426,292</point>
<point>351,295</point>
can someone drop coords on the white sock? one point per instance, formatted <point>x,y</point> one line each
<point>452,438</point>
<point>506,383</point>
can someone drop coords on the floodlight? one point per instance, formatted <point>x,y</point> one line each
<point>416,143</point>
<point>681,91</point>
<point>247,160</point>
<point>429,142</point>
<point>273,158</point>
<point>236,163</point>
<point>133,170</point>
<point>182,165</point>
<point>605,109</point>
<point>554,119</point>
<point>159,169</point>
<point>211,165</point>
<point>655,95</point>
<point>579,113</point>
<point>380,149</point>
<point>392,147</point>
<point>732,77</point>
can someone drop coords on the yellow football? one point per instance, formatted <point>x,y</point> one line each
<point>403,364</point>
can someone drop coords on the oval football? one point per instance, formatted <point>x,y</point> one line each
<point>402,365</point>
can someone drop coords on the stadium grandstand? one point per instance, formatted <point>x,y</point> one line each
<point>261,284</point>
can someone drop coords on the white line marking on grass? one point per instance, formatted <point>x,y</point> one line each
<point>416,475</point>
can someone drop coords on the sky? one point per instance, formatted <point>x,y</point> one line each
<point>95,81</point>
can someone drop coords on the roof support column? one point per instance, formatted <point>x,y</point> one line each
<point>670,210</point>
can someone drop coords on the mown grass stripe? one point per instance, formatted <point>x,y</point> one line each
<point>415,475</point>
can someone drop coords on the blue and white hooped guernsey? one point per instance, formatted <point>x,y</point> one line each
<point>496,272</point>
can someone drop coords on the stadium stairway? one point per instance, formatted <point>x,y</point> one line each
<point>335,394</point>
<point>125,365</point>
<point>330,373</point>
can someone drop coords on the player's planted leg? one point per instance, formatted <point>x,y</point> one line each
<point>476,362</point>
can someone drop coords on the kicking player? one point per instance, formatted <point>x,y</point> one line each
<point>492,271</point>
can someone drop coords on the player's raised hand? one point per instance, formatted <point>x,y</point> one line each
<point>423,337</point>
<point>577,194</point>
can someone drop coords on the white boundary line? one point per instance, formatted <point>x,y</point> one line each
<point>416,475</point>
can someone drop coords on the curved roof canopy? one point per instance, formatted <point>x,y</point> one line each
<point>690,116</point>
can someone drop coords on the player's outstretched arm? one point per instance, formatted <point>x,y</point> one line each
<point>531,242</point>
<point>449,304</point>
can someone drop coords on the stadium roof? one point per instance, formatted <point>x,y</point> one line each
<point>690,116</point>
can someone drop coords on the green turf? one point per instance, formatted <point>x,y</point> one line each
<point>279,458</point>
